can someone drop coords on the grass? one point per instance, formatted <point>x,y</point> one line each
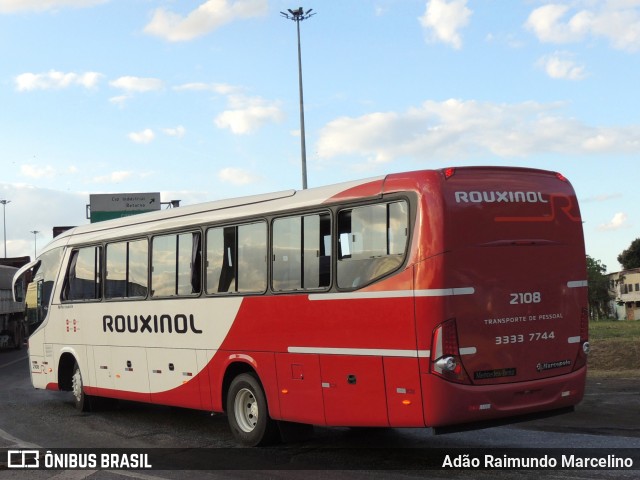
<point>608,329</point>
<point>615,348</point>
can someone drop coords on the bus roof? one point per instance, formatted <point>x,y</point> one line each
<point>256,205</point>
<point>215,211</point>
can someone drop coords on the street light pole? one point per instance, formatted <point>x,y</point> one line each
<point>4,223</point>
<point>35,243</point>
<point>297,16</point>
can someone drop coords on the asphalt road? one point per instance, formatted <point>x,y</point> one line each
<point>609,417</point>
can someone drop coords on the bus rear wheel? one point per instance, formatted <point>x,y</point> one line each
<point>81,400</point>
<point>248,412</point>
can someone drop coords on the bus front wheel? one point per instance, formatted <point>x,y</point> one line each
<point>80,399</point>
<point>248,413</point>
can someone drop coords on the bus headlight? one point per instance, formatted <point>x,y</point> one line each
<point>586,348</point>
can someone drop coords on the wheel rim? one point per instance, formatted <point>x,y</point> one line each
<point>246,410</point>
<point>76,385</point>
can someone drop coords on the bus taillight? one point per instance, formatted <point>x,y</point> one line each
<point>449,172</point>
<point>445,353</point>
<point>584,325</point>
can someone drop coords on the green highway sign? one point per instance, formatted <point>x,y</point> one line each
<point>117,205</point>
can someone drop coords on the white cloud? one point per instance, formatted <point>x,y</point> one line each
<point>178,131</point>
<point>221,88</point>
<point>119,100</point>
<point>545,23</point>
<point>12,6</point>
<point>618,221</point>
<point>560,65</point>
<point>602,198</point>
<point>247,114</point>
<point>600,142</point>
<point>144,136</point>
<point>89,79</point>
<point>469,129</point>
<point>379,10</point>
<point>54,80</point>
<point>244,114</point>
<point>114,177</point>
<point>508,39</point>
<point>36,171</point>
<point>237,176</point>
<point>617,21</point>
<point>137,84</point>
<point>209,16</point>
<point>444,19</point>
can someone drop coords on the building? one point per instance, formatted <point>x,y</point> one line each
<point>624,288</point>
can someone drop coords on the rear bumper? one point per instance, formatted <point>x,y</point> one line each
<point>446,404</point>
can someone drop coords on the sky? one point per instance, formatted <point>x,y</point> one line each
<point>198,100</point>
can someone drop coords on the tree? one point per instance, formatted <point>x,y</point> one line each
<point>630,258</point>
<point>598,288</point>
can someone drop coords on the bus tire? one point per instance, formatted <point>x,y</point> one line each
<point>248,413</point>
<point>81,400</point>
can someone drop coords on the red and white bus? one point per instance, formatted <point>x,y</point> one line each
<point>424,299</point>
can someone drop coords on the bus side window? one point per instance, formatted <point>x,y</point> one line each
<point>372,242</point>
<point>287,258</point>
<point>397,228</point>
<point>196,263</point>
<point>302,252</point>
<point>40,288</point>
<point>221,259</point>
<point>188,268</point>
<point>236,259</point>
<point>175,265</point>
<point>138,268</point>
<point>127,269</point>
<point>83,275</point>
<point>252,258</point>
<point>163,266</point>
<point>115,283</point>
<point>316,249</point>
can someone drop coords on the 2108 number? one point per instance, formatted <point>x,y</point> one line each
<point>525,297</point>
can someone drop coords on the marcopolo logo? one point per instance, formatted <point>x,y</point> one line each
<point>542,366</point>
<point>499,197</point>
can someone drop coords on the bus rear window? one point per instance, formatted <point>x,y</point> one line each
<point>372,242</point>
